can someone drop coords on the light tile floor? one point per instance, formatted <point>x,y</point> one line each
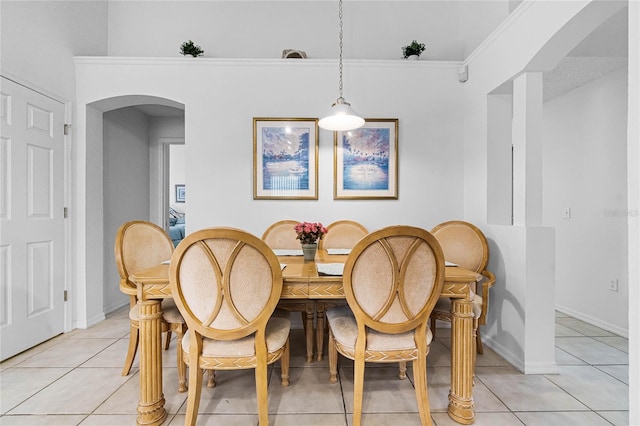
<point>74,379</point>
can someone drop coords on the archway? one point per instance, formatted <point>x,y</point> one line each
<point>123,181</point>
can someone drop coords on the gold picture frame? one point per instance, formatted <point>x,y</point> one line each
<point>365,162</point>
<point>285,158</point>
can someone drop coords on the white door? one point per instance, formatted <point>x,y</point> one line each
<point>32,235</point>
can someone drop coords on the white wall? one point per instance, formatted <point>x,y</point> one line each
<point>478,19</point>
<point>263,29</point>
<point>534,38</point>
<point>126,187</point>
<point>39,40</point>
<point>633,201</point>
<point>221,97</point>
<point>585,155</point>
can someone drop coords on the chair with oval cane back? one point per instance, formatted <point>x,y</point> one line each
<point>141,245</point>
<point>392,280</point>
<point>466,246</point>
<point>226,283</point>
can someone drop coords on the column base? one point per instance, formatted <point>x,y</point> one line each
<point>153,414</point>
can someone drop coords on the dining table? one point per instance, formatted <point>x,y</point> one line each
<point>302,281</point>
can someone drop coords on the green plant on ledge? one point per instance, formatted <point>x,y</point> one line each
<point>189,48</point>
<point>414,48</point>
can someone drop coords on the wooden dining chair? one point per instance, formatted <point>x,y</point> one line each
<point>141,245</point>
<point>392,280</point>
<point>227,283</point>
<point>341,235</point>
<point>281,235</point>
<point>466,246</point>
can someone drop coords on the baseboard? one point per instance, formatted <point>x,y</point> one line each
<point>91,321</point>
<point>506,354</point>
<point>513,359</point>
<point>594,321</point>
<point>116,306</point>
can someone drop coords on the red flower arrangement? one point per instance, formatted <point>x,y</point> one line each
<point>310,232</point>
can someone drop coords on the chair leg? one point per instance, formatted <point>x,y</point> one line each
<point>358,388</point>
<point>402,374</point>
<point>433,326</point>
<point>261,387</point>
<point>211,380</point>
<point>303,315</point>
<point>333,359</point>
<point>134,337</point>
<point>284,365</point>
<point>182,367</point>
<point>195,388</point>
<point>479,347</point>
<point>167,340</point>
<point>422,394</point>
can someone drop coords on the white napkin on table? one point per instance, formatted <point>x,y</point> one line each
<point>330,268</point>
<point>288,252</point>
<point>338,251</point>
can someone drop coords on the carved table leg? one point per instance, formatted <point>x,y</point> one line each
<point>311,310</point>
<point>151,409</point>
<point>320,309</point>
<point>462,347</point>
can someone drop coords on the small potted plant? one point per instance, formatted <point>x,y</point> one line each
<point>309,233</point>
<point>190,48</point>
<point>413,50</point>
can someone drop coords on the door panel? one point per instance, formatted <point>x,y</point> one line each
<point>32,245</point>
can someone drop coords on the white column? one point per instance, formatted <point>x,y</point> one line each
<point>539,286</point>
<point>633,201</point>
<point>527,149</point>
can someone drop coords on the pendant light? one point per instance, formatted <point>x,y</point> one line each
<point>341,116</point>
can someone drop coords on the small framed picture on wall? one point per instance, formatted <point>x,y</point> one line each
<point>366,161</point>
<point>285,158</point>
<point>180,194</point>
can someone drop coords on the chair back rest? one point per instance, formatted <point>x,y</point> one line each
<point>281,235</point>
<point>226,282</point>
<point>343,234</point>
<point>463,244</point>
<point>393,277</point>
<point>140,245</point>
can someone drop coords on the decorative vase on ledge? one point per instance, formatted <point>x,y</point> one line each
<point>309,251</point>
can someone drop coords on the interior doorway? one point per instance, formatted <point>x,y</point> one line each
<point>175,208</point>
<point>130,182</point>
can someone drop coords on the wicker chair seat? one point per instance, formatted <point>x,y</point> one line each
<point>277,335</point>
<point>345,332</point>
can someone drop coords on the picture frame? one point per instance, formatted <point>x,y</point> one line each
<point>285,158</point>
<point>366,161</point>
<point>180,194</point>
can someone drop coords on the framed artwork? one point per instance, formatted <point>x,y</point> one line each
<point>366,161</point>
<point>285,158</point>
<point>180,194</point>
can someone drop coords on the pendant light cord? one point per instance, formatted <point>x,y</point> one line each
<point>340,36</point>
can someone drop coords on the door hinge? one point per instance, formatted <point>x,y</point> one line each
<point>66,129</point>
<point>65,213</point>
<point>65,295</point>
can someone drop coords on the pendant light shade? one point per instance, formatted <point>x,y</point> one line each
<point>341,117</point>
